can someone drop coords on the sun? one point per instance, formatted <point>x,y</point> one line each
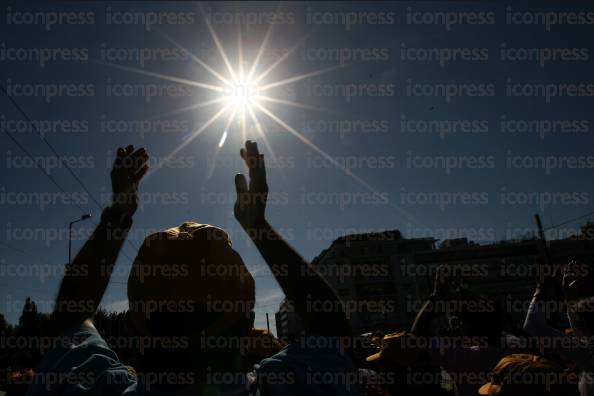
<point>241,92</point>
<point>242,95</point>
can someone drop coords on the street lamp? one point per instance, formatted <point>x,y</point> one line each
<point>82,218</point>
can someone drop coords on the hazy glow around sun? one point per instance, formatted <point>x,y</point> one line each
<point>241,95</point>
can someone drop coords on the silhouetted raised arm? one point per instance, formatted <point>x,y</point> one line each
<point>309,293</point>
<point>87,277</point>
<point>425,320</point>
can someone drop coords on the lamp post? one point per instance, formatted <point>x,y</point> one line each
<point>82,218</point>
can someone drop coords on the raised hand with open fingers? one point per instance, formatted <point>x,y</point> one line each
<point>251,200</point>
<point>128,169</point>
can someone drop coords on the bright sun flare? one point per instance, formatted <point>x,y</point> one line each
<point>244,96</point>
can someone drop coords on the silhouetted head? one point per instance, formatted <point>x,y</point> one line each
<point>480,317</point>
<point>403,359</point>
<point>523,374</point>
<point>578,281</point>
<point>581,316</point>
<point>192,299</point>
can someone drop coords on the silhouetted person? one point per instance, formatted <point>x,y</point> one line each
<point>315,364</point>
<point>524,374</point>
<point>406,367</point>
<point>479,342</point>
<point>578,296</point>
<point>191,299</point>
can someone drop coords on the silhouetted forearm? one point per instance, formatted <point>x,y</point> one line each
<point>423,324</point>
<point>87,277</point>
<point>314,300</point>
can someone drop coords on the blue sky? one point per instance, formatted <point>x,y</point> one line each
<point>483,181</point>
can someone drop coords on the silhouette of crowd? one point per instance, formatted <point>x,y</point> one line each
<point>190,324</point>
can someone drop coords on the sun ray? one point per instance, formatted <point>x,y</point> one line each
<point>260,52</point>
<point>194,58</point>
<point>221,143</point>
<point>215,38</point>
<point>309,143</point>
<point>258,127</point>
<point>164,77</point>
<point>291,103</point>
<point>256,123</point>
<point>263,45</point>
<point>347,171</point>
<point>229,121</point>
<point>241,92</point>
<point>299,78</point>
<point>189,139</point>
<point>240,52</point>
<point>281,59</point>
<point>243,126</point>
<point>191,107</point>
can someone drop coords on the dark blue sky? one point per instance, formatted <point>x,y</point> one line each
<point>483,71</point>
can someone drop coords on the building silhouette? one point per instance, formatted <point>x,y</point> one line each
<point>383,279</point>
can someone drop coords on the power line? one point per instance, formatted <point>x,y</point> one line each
<point>569,221</point>
<point>58,156</point>
<point>42,169</point>
<point>21,251</point>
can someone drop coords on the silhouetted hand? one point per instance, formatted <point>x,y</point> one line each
<point>548,278</point>
<point>87,277</point>
<point>301,284</point>
<point>577,281</point>
<point>251,202</point>
<point>128,169</point>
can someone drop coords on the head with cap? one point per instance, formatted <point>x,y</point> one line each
<point>524,374</point>
<point>400,349</point>
<point>578,279</point>
<point>260,345</point>
<point>403,359</point>
<point>190,288</point>
<point>581,316</point>
<point>480,317</point>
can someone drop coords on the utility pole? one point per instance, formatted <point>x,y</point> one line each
<point>544,247</point>
<point>547,269</point>
<point>267,322</point>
